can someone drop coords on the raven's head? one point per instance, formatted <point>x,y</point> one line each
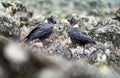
<point>52,19</point>
<point>73,19</point>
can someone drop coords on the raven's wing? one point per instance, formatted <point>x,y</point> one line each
<point>84,33</point>
<point>78,35</point>
<point>40,31</point>
<point>35,29</point>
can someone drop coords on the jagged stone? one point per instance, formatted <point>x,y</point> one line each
<point>108,30</point>
<point>9,27</point>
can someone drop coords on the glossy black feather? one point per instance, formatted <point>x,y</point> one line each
<point>79,37</point>
<point>43,31</point>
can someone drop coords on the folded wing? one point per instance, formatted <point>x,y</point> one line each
<point>79,37</point>
<point>42,31</point>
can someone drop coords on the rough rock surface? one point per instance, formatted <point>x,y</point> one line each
<point>11,26</point>
<point>107,30</point>
<point>103,55</point>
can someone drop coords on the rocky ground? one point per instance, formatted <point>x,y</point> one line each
<point>59,59</point>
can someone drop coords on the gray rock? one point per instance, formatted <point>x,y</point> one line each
<point>107,30</point>
<point>9,27</point>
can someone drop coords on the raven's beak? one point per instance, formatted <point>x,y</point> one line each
<point>54,22</point>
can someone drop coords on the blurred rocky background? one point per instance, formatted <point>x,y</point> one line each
<point>59,59</point>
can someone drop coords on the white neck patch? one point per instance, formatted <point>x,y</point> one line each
<point>46,21</point>
<point>76,25</point>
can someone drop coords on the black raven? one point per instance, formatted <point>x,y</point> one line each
<point>42,31</point>
<point>77,36</point>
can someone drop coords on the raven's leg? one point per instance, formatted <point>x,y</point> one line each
<point>84,50</point>
<point>83,54</point>
<point>72,45</point>
<point>44,42</point>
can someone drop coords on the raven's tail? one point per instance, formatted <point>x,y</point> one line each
<point>26,40</point>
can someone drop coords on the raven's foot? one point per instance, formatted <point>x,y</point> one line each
<point>46,43</point>
<point>72,46</point>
